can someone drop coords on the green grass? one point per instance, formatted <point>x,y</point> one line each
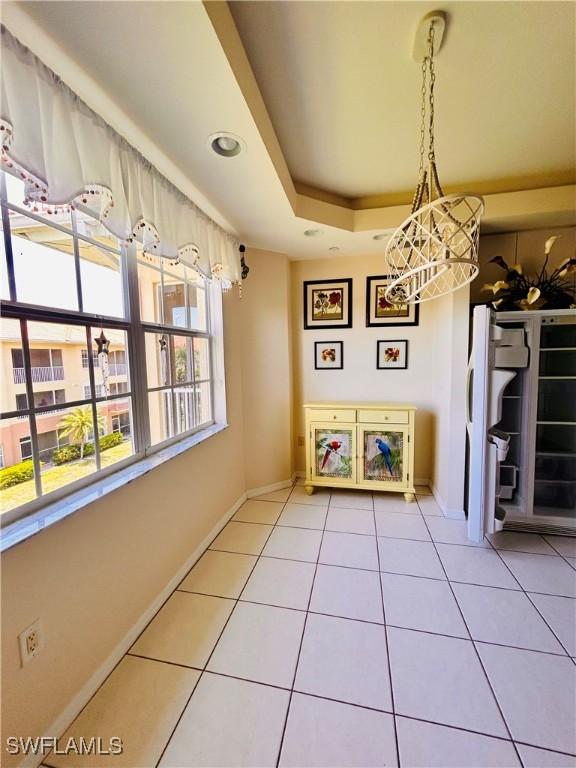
<point>56,477</point>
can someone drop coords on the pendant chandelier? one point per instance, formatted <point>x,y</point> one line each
<point>435,250</point>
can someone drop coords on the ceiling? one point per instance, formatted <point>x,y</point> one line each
<point>343,92</point>
<point>325,97</point>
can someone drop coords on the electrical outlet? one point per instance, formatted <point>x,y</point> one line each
<point>31,642</point>
<point>300,441</point>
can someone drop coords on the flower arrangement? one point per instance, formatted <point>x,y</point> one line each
<point>543,291</point>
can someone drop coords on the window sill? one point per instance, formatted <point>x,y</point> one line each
<point>28,526</point>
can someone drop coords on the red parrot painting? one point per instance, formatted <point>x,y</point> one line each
<point>331,447</point>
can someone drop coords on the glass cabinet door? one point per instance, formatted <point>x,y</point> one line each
<point>334,453</point>
<point>383,455</point>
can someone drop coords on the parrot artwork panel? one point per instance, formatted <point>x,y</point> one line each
<point>333,453</point>
<point>383,456</point>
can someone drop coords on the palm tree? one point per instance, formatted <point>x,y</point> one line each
<point>78,426</point>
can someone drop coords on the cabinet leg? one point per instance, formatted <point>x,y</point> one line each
<point>409,497</point>
<point>309,489</point>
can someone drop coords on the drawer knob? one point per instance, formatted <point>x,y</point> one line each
<point>334,416</point>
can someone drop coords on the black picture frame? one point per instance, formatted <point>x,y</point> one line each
<point>391,367</point>
<point>372,321</point>
<point>318,344</point>
<point>345,321</point>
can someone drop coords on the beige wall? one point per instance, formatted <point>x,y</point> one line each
<point>527,247</point>
<point>91,576</point>
<point>360,380</point>
<point>266,369</point>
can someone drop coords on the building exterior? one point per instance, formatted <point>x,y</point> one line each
<point>60,374</point>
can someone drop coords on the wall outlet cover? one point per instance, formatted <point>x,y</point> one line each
<point>31,642</point>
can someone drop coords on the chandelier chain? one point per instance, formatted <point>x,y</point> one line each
<point>431,92</point>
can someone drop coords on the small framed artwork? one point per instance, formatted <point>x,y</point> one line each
<point>392,354</point>
<point>380,312</point>
<point>328,303</point>
<point>328,354</point>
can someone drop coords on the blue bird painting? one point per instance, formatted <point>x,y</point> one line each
<point>384,449</point>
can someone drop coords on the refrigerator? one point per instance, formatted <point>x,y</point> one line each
<point>521,422</point>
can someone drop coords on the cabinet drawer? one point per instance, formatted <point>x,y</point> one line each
<point>383,417</point>
<point>336,414</point>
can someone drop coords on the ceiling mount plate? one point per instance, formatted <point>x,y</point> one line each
<point>420,50</point>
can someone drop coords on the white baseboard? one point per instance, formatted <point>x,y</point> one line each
<point>61,723</point>
<point>269,488</point>
<point>422,481</point>
<point>453,514</point>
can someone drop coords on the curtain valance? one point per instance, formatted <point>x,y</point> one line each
<point>67,155</point>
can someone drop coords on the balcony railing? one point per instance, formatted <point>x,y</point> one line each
<point>39,375</point>
<point>118,369</point>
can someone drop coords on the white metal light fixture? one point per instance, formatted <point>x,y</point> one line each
<point>226,144</point>
<point>435,250</point>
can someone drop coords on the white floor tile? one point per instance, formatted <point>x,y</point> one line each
<point>303,515</point>
<point>536,693</point>
<point>349,549</point>
<point>280,496</point>
<point>566,545</point>
<point>542,758</point>
<point>185,630</point>
<point>351,499</point>
<point>254,511</point>
<point>228,723</point>
<point>424,745</point>
<point>294,544</point>
<point>424,604</point>
<point>414,558</point>
<point>260,643</point>
<point>351,520</point>
<point>320,497</point>
<point>331,735</point>
<point>560,613</point>
<point>285,583</point>
<point>440,678</point>
<point>539,573</point>
<point>219,573</point>
<point>394,502</point>
<point>246,538</point>
<point>140,703</point>
<point>447,531</point>
<point>399,526</point>
<point>520,542</point>
<point>345,660</point>
<point>429,506</point>
<point>505,617</point>
<point>347,592</point>
<point>474,565</point>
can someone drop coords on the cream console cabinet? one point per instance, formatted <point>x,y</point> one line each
<point>360,445</point>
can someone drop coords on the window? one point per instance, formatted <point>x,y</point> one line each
<point>155,385</point>
<point>95,361</point>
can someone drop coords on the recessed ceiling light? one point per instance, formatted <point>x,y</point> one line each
<point>334,248</point>
<point>226,144</point>
<point>313,232</point>
<point>382,236</point>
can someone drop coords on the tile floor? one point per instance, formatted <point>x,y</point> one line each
<point>342,629</point>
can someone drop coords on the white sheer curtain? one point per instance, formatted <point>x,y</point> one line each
<point>67,154</point>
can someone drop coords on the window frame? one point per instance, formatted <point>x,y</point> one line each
<point>135,329</point>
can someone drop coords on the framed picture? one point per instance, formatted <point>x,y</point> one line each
<point>380,312</point>
<point>328,303</point>
<point>392,354</point>
<point>328,354</point>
